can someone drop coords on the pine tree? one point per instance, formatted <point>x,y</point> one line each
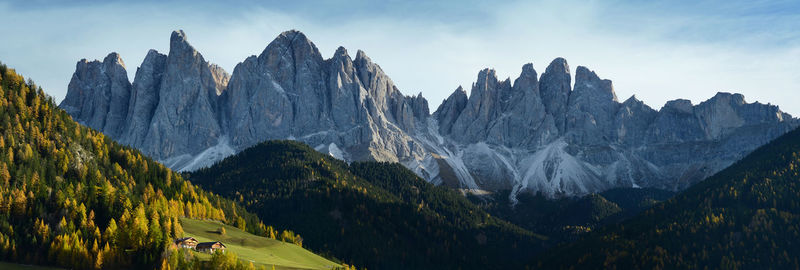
<point>5,176</point>
<point>98,260</point>
<point>110,234</point>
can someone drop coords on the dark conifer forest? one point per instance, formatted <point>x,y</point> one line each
<point>379,215</point>
<point>744,217</point>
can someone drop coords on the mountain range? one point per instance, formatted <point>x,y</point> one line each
<point>537,133</point>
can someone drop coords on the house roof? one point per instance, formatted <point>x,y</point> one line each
<point>185,239</point>
<point>210,244</point>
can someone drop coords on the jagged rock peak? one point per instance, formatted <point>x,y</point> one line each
<point>727,97</point>
<point>588,79</point>
<point>293,35</point>
<point>363,62</point>
<point>586,74</point>
<point>114,57</point>
<point>111,58</point>
<point>555,86</point>
<point>461,90</point>
<point>178,35</point>
<point>486,80</point>
<point>419,106</point>
<point>528,75</point>
<point>362,56</point>
<point>558,65</point>
<point>98,94</point>
<point>528,70</point>
<point>450,109</point>
<point>528,79</point>
<point>144,97</point>
<point>151,56</point>
<point>295,41</point>
<point>153,60</point>
<point>679,105</point>
<point>632,100</point>
<point>177,41</point>
<point>341,57</point>
<point>458,94</point>
<point>340,52</point>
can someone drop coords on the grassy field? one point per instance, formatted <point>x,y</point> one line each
<point>14,266</point>
<point>260,250</point>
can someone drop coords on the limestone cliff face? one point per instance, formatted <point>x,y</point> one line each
<point>340,105</point>
<point>584,140</point>
<point>184,121</point>
<point>98,94</point>
<point>534,133</point>
<point>144,98</point>
<point>450,109</point>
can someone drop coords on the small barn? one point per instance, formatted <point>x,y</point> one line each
<point>186,242</point>
<point>210,247</point>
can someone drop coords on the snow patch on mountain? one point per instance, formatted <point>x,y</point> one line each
<point>331,149</point>
<point>554,171</point>
<point>187,163</point>
<point>433,141</point>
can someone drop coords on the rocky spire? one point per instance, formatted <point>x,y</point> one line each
<point>500,113</point>
<point>98,94</point>
<point>587,83</point>
<point>555,87</point>
<point>379,86</point>
<point>592,106</point>
<point>419,106</point>
<point>296,65</point>
<point>290,55</point>
<point>410,110</point>
<point>144,97</point>
<point>632,121</point>
<point>481,108</point>
<point>289,91</point>
<point>450,109</point>
<point>528,81</point>
<point>185,119</point>
<point>344,90</point>
<point>524,114</point>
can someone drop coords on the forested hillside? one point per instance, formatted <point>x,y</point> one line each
<point>745,217</point>
<point>380,215</point>
<point>71,197</point>
<point>565,219</point>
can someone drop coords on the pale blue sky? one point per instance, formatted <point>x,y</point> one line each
<point>658,50</point>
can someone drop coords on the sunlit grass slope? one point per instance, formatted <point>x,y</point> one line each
<point>259,250</point>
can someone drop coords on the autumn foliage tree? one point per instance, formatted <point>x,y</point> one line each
<point>71,197</point>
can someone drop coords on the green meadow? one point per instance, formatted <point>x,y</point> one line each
<point>261,251</point>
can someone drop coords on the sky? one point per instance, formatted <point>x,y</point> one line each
<point>657,50</point>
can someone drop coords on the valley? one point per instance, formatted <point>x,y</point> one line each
<point>307,157</point>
